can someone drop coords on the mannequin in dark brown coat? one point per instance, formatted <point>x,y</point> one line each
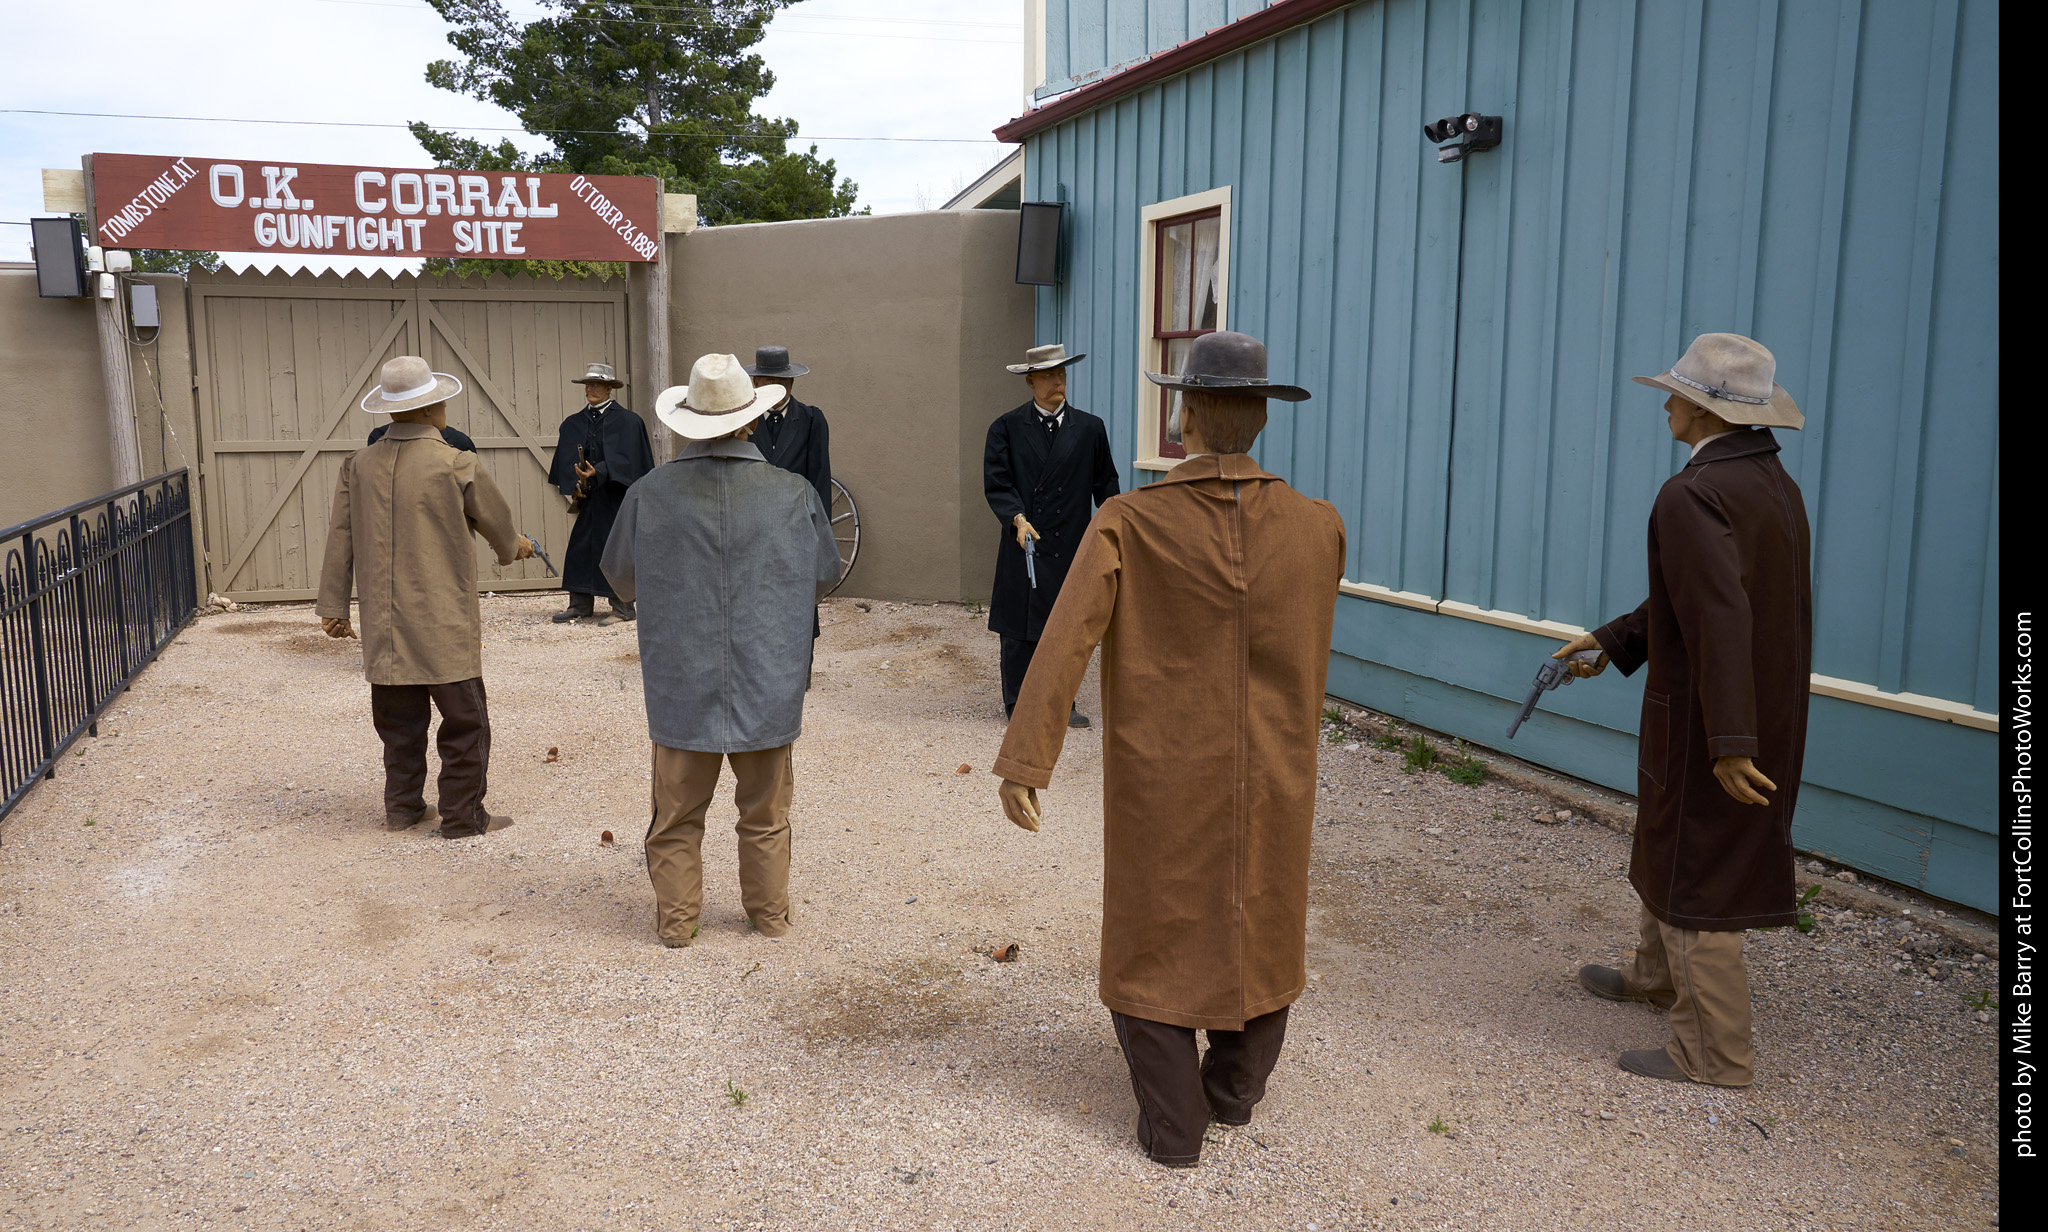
<point>1727,634</point>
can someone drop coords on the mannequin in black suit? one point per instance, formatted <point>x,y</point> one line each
<point>793,436</point>
<point>1045,470</point>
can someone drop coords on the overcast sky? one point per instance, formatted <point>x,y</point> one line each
<point>843,68</point>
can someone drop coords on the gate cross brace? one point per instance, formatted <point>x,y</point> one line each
<point>290,485</point>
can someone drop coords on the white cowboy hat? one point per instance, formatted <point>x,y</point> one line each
<point>1044,358</point>
<point>407,384</point>
<point>1731,376</point>
<point>720,398</point>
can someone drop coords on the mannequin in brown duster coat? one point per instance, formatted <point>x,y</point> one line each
<point>1212,593</point>
<point>1727,635</point>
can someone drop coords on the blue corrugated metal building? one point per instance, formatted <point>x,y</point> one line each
<point>1820,175</point>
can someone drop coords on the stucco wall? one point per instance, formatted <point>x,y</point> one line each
<point>53,420</point>
<point>905,321</point>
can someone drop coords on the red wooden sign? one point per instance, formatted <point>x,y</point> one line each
<point>147,201</point>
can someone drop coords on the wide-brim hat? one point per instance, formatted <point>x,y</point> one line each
<point>599,374</point>
<point>1227,362</point>
<point>719,399</point>
<point>1731,376</point>
<point>774,361</point>
<point>1045,358</point>
<point>407,384</point>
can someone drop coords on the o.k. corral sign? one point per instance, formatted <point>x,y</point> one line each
<point>214,205</point>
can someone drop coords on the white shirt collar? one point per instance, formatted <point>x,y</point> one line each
<point>1058,417</point>
<point>1717,436</point>
<point>599,407</point>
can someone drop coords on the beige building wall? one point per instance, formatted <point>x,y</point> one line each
<point>53,419</point>
<point>905,321</point>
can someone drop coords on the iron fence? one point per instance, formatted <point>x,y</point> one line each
<point>88,596</point>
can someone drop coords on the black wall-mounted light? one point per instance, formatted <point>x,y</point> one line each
<point>1465,134</point>
<point>59,245</point>
<point>1039,225</point>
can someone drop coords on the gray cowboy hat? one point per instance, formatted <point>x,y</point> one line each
<point>407,384</point>
<point>774,361</point>
<point>1045,358</point>
<point>1226,362</point>
<point>598,374</point>
<point>1731,376</point>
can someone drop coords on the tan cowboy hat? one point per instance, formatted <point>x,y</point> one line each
<point>407,384</point>
<point>720,398</point>
<point>1042,358</point>
<point>599,374</point>
<point>1730,375</point>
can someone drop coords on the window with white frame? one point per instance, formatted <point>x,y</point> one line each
<point>1185,253</point>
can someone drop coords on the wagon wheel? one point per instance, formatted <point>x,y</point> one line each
<point>846,529</point>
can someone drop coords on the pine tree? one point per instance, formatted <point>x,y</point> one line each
<point>624,87</point>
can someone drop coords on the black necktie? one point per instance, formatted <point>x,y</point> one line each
<point>1052,424</point>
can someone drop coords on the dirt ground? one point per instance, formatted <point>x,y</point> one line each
<point>228,997</point>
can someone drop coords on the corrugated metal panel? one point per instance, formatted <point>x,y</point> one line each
<point>1082,36</point>
<point>1819,175</point>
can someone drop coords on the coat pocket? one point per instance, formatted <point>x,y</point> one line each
<point>1653,748</point>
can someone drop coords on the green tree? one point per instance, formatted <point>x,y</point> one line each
<point>622,87</point>
<point>167,261</point>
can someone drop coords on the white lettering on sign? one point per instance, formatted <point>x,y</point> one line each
<point>399,183</point>
<point>385,210</point>
<point>153,194</point>
<point>440,192</point>
<point>602,206</point>
<point>534,209</point>
<point>277,188</point>
<point>215,174</point>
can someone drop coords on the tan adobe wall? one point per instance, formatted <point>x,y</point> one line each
<point>905,321</point>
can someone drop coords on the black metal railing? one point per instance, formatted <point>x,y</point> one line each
<point>88,596</point>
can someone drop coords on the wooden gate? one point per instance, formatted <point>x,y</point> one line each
<point>282,361</point>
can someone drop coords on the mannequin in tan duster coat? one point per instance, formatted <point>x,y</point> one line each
<point>1211,593</point>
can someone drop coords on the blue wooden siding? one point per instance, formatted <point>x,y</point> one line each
<point>1082,36</point>
<point>1821,175</point>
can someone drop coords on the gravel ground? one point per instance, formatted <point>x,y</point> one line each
<point>229,997</point>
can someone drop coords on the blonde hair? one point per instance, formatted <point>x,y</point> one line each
<point>1227,423</point>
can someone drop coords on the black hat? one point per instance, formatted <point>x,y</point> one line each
<point>774,361</point>
<point>1226,362</point>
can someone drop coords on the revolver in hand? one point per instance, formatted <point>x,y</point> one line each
<point>1031,559</point>
<point>1553,673</point>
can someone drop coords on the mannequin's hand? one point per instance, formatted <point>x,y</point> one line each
<point>1020,803</point>
<point>1584,641</point>
<point>585,470</point>
<point>526,547</point>
<point>1024,528</point>
<point>337,628</point>
<point>1740,778</point>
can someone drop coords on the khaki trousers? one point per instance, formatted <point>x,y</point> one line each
<point>683,784</point>
<point>1710,1024</point>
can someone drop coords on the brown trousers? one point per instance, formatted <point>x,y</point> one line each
<point>1710,1019</point>
<point>683,784</point>
<point>1177,1097</point>
<point>401,713</point>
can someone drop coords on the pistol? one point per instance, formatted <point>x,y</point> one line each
<point>1031,559</point>
<point>541,556</point>
<point>1553,673</point>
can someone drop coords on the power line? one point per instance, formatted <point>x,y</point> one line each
<point>477,128</point>
<point>680,24</point>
